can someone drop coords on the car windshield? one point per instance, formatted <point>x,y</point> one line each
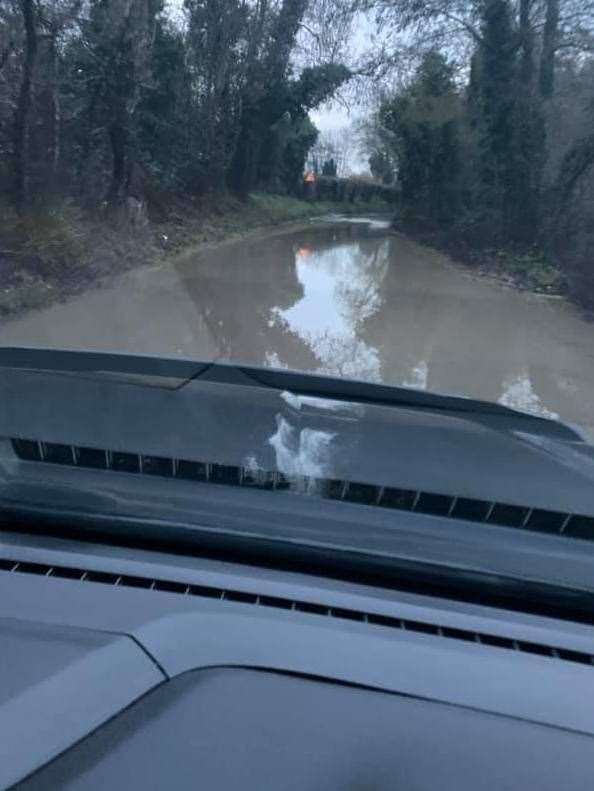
<point>391,191</point>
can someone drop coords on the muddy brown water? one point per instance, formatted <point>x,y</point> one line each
<point>343,297</point>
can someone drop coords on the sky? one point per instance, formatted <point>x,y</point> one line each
<point>333,116</point>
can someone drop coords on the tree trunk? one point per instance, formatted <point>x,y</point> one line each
<point>241,172</point>
<point>527,165</point>
<point>5,55</point>
<point>118,139</point>
<point>526,43</point>
<point>283,34</point>
<point>44,136</point>
<point>575,165</point>
<point>549,48</point>
<point>21,118</point>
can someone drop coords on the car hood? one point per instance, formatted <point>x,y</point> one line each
<point>308,428</point>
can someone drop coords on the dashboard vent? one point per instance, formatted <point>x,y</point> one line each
<point>280,603</point>
<point>432,503</point>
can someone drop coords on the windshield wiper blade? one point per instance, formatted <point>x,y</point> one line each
<point>176,373</point>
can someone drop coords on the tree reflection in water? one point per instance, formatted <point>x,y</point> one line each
<point>341,289</point>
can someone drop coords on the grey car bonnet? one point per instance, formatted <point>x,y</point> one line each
<point>274,420</point>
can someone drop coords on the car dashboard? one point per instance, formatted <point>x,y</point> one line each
<point>138,669</point>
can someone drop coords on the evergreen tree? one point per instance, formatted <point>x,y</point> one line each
<point>497,56</point>
<point>329,168</point>
<point>423,122</point>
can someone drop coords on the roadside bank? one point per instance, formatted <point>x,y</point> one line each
<point>527,270</point>
<point>52,254</point>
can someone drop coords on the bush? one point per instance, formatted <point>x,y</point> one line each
<point>532,270</point>
<point>43,243</point>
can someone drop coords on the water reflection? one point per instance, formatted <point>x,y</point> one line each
<point>418,376</point>
<point>358,302</point>
<point>519,393</point>
<point>341,289</point>
<point>301,451</point>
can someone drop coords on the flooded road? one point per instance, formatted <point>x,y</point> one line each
<point>346,298</point>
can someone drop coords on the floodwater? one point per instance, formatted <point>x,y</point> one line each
<point>343,297</point>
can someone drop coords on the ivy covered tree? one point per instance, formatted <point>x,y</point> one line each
<point>510,121</point>
<point>422,122</point>
<point>496,66</point>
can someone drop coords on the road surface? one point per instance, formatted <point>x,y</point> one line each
<point>342,297</point>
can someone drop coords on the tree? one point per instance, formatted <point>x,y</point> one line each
<point>125,38</point>
<point>381,167</point>
<point>329,168</point>
<point>109,67</point>
<point>217,46</point>
<point>166,115</point>
<point>56,23</point>
<point>272,38</point>
<point>301,136</point>
<point>265,123</point>
<point>326,32</point>
<point>378,144</point>
<point>423,124</point>
<point>514,48</point>
<point>99,98</point>
<point>21,117</point>
<point>550,43</point>
<point>508,116</point>
<point>497,53</point>
<point>313,87</point>
<point>335,145</point>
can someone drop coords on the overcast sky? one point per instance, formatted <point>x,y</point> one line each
<point>333,116</point>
